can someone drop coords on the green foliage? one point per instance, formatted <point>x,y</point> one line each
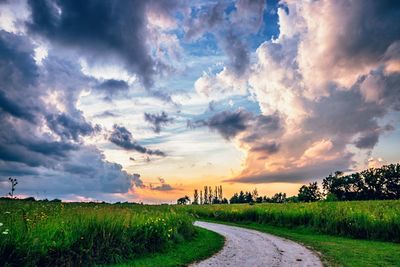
<point>202,246</point>
<point>309,193</point>
<point>374,183</point>
<point>84,234</point>
<point>379,220</point>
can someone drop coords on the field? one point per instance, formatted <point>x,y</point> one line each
<point>375,220</point>
<point>39,233</point>
<point>70,234</point>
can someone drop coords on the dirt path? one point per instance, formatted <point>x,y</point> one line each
<point>244,247</point>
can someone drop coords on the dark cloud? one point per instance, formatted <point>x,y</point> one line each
<point>228,123</point>
<point>263,126</point>
<point>370,29</point>
<point>84,173</point>
<point>106,114</point>
<point>121,137</point>
<point>101,31</point>
<point>367,140</point>
<point>255,128</point>
<point>304,174</point>
<point>18,75</point>
<point>162,95</point>
<point>14,108</point>
<point>68,127</point>
<point>237,51</point>
<point>112,87</point>
<point>163,186</point>
<point>158,120</point>
<point>55,161</point>
<point>268,148</point>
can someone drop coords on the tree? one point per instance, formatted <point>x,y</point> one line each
<point>205,194</point>
<point>234,199</point>
<point>201,197</point>
<point>241,198</point>
<point>248,198</point>
<point>309,193</point>
<point>210,195</point>
<point>14,183</point>
<point>279,198</point>
<point>373,183</point>
<point>196,197</point>
<point>183,200</point>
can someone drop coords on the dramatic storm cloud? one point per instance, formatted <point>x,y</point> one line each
<point>123,138</point>
<point>99,99</point>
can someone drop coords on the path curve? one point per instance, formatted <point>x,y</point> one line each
<point>245,247</point>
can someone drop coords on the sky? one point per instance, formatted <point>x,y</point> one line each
<point>147,100</point>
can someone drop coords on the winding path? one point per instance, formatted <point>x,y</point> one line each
<point>244,247</point>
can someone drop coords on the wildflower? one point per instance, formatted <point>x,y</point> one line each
<point>7,212</point>
<point>1,224</point>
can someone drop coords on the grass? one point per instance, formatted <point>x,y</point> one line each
<point>54,234</point>
<point>204,245</point>
<point>88,234</point>
<point>335,250</point>
<point>374,220</point>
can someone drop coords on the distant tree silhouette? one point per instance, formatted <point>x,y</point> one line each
<point>205,194</point>
<point>14,183</point>
<point>196,197</point>
<point>309,193</point>
<point>370,184</point>
<point>183,200</point>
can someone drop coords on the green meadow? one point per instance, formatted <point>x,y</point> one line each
<point>88,234</point>
<point>374,220</point>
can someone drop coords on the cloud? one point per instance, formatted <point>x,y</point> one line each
<point>158,120</point>
<point>120,35</point>
<point>221,85</point>
<point>41,135</point>
<point>163,186</point>
<point>106,114</point>
<point>112,87</point>
<point>227,123</point>
<point>85,172</point>
<point>68,127</point>
<point>229,28</point>
<point>121,137</point>
<point>330,80</point>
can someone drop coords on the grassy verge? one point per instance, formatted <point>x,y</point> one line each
<point>335,250</point>
<point>205,244</point>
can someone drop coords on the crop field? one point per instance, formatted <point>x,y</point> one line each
<point>376,220</point>
<point>72,234</point>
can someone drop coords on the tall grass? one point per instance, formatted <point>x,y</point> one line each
<point>378,220</point>
<point>50,234</point>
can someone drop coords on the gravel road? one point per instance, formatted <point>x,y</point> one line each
<point>244,247</point>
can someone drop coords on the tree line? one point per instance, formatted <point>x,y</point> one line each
<point>372,184</point>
